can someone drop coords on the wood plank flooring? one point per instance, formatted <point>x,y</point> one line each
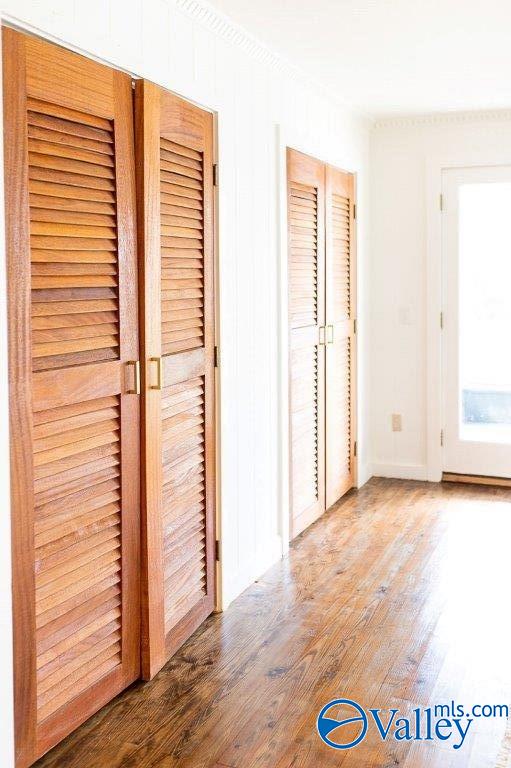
<point>397,597</point>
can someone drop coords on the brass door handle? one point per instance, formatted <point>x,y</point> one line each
<point>322,335</point>
<point>136,377</point>
<point>159,374</point>
<point>330,334</point>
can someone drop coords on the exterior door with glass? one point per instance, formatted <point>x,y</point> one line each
<point>476,245</point>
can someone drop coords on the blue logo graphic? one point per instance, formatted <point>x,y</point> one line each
<point>444,722</point>
<point>331,729</point>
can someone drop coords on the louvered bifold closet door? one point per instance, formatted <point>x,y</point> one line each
<point>175,193</point>
<point>340,334</point>
<point>306,242</point>
<point>70,213</point>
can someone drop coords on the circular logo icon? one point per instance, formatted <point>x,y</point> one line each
<point>333,730</point>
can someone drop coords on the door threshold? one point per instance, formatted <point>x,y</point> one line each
<point>452,477</point>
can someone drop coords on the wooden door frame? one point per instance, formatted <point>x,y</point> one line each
<point>308,171</point>
<point>352,317</point>
<point>35,389</point>
<point>288,137</point>
<point>6,618</point>
<point>149,101</point>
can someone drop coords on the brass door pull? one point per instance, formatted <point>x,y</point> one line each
<point>136,377</point>
<point>322,335</point>
<point>159,374</point>
<point>330,334</point>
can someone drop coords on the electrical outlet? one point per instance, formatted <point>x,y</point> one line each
<point>396,422</point>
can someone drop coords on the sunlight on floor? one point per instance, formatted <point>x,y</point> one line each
<point>474,578</point>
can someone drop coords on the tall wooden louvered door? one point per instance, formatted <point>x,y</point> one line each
<point>340,333</point>
<point>70,211</point>
<point>306,246</point>
<point>175,193</point>
<point>321,277</point>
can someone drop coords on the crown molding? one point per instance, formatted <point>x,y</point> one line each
<point>229,30</point>
<point>235,34</point>
<point>442,118</point>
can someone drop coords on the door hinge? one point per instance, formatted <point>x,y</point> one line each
<point>216,357</point>
<point>355,448</point>
<point>441,321</point>
<point>215,174</point>
<point>441,202</point>
<point>217,551</point>
<point>354,210</point>
<point>441,438</point>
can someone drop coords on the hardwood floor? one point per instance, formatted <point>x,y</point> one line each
<point>398,597</point>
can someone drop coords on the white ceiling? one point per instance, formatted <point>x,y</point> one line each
<point>391,56</point>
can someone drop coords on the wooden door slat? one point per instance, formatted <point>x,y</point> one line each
<point>306,259</point>
<point>176,214</point>
<point>70,213</point>
<point>340,356</point>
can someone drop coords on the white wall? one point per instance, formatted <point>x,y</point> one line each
<point>404,156</point>
<point>185,47</point>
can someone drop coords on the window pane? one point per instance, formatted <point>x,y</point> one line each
<point>485,311</point>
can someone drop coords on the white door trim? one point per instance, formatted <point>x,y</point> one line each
<point>434,165</point>
<point>464,453</point>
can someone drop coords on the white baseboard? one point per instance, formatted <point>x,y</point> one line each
<point>247,575</point>
<point>401,471</point>
<point>364,474</point>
